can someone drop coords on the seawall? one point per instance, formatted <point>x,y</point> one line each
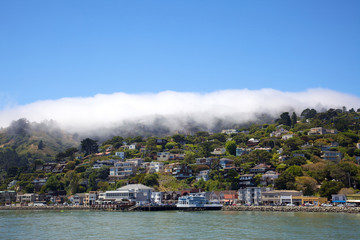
<point>292,209</point>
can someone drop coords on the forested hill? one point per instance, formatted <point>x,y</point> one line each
<point>23,142</point>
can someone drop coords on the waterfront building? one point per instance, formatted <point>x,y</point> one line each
<point>252,195</point>
<point>25,198</point>
<point>353,198</point>
<point>312,200</point>
<point>279,197</point>
<point>338,198</point>
<point>157,197</point>
<point>90,198</point>
<point>7,196</point>
<point>138,193</point>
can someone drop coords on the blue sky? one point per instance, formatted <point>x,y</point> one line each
<point>56,49</point>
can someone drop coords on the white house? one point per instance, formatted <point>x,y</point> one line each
<point>157,197</point>
<point>157,166</point>
<point>163,156</point>
<point>132,147</point>
<point>120,155</point>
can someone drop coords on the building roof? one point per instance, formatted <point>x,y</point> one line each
<point>135,187</point>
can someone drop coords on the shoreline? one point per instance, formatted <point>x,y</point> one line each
<point>333,209</point>
<point>352,210</point>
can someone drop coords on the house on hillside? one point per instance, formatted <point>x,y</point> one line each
<point>204,174</point>
<point>269,178</point>
<point>252,142</point>
<point>334,156</point>
<point>226,162</point>
<point>260,168</point>
<point>218,151</point>
<point>246,180</point>
<point>181,171</point>
<point>242,151</point>
<point>321,131</point>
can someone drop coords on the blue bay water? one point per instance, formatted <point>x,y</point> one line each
<point>177,225</point>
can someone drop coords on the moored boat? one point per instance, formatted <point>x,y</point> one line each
<point>197,202</point>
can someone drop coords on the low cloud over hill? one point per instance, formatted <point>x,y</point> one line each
<point>171,111</point>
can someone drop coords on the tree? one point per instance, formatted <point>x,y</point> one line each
<point>329,188</point>
<point>89,146</point>
<point>286,179</point>
<point>92,181</point>
<point>230,147</point>
<point>219,136</point>
<point>103,172</point>
<point>298,160</point>
<point>103,186</point>
<point>171,145</point>
<point>41,145</point>
<point>200,184</point>
<point>179,138</point>
<point>293,119</point>
<point>259,156</point>
<point>52,184</point>
<point>205,148</point>
<point>308,113</point>
<point>306,184</point>
<point>284,119</point>
<point>151,180</point>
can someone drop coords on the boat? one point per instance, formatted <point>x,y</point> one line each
<point>197,202</point>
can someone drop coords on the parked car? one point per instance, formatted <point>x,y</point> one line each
<point>290,205</point>
<point>350,204</point>
<point>326,205</point>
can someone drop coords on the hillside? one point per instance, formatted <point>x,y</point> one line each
<point>317,153</point>
<point>23,142</point>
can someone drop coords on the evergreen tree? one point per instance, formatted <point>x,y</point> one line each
<point>89,146</point>
<point>284,119</point>
<point>41,145</point>
<point>293,119</point>
<point>230,147</point>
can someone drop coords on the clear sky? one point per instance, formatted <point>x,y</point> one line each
<point>56,49</point>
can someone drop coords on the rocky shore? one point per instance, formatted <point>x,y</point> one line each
<point>44,208</point>
<point>292,209</point>
<point>225,208</point>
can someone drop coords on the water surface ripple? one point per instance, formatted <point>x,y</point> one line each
<point>177,225</point>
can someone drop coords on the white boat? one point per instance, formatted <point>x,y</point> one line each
<point>197,202</point>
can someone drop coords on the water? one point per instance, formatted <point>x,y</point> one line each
<point>177,225</point>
